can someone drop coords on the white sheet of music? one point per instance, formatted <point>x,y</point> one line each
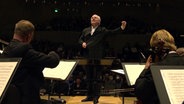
<point>120,71</point>
<point>6,71</point>
<point>61,71</point>
<point>174,83</point>
<point>133,72</point>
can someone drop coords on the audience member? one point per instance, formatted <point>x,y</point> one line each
<point>78,86</point>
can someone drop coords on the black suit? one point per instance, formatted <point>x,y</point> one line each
<point>144,87</point>
<point>94,52</point>
<point>29,76</point>
<point>95,42</point>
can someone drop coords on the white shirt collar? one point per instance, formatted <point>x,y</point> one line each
<point>172,52</point>
<point>93,29</point>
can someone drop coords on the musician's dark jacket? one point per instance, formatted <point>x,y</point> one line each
<point>29,77</point>
<point>144,86</point>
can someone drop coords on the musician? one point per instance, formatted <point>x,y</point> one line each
<point>28,77</point>
<point>163,53</point>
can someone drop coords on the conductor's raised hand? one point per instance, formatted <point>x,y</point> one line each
<point>123,24</point>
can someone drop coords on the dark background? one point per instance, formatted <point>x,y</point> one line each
<point>142,16</point>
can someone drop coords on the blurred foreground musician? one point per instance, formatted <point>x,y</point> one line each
<point>163,53</point>
<point>28,77</point>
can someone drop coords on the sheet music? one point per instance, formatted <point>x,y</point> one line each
<point>6,70</point>
<point>133,71</point>
<point>120,71</point>
<point>61,71</point>
<point>174,83</point>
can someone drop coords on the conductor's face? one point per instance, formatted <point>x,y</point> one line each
<point>95,20</point>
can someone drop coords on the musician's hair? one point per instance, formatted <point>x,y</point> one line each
<point>23,28</point>
<point>162,39</point>
<point>161,43</point>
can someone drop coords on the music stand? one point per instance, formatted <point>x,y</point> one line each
<point>169,83</point>
<point>103,62</point>
<point>8,67</point>
<point>132,71</point>
<point>61,72</point>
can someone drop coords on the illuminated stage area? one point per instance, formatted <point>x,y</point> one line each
<point>102,99</point>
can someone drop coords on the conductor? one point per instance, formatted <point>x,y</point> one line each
<point>92,41</point>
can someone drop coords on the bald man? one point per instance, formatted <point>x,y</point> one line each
<point>92,43</point>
